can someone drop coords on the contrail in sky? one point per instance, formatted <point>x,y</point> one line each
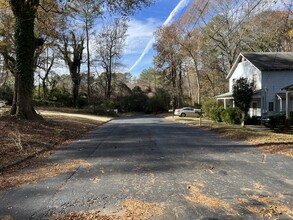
<point>175,11</point>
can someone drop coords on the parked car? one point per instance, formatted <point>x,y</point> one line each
<point>2,104</point>
<point>275,121</point>
<point>187,111</point>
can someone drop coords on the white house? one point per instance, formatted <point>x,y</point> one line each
<point>272,75</point>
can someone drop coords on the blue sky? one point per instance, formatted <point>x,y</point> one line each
<point>145,22</point>
<point>142,26</point>
<point>138,52</point>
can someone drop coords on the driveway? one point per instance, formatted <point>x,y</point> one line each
<point>148,167</point>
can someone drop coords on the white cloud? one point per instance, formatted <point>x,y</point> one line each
<point>179,7</point>
<point>139,33</point>
<point>182,4</point>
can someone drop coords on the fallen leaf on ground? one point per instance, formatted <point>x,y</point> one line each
<point>46,171</point>
<point>130,209</point>
<point>197,196</point>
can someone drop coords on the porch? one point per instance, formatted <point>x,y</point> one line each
<point>255,106</point>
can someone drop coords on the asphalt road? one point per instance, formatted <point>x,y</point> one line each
<point>188,173</point>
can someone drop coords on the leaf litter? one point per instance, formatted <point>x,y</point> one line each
<point>130,209</point>
<point>267,141</point>
<point>24,139</point>
<point>266,206</point>
<point>197,196</point>
<point>48,170</point>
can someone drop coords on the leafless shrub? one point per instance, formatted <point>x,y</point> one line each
<point>15,137</point>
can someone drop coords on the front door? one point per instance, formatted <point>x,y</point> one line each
<point>254,109</point>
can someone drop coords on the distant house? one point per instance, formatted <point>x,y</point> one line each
<point>272,75</point>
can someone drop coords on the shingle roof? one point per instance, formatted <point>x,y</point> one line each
<point>288,88</point>
<point>271,60</point>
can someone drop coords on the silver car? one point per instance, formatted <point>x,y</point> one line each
<point>187,111</point>
<point>2,104</point>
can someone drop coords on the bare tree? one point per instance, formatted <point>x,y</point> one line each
<point>87,12</point>
<point>45,64</point>
<point>169,59</point>
<point>109,49</point>
<point>27,41</point>
<point>72,49</point>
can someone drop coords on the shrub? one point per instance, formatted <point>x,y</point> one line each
<point>215,113</point>
<point>151,105</point>
<point>279,121</point>
<point>6,93</point>
<point>231,115</point>
<point>82,102</point>
<point>156,104</point>
<point>209,107</point>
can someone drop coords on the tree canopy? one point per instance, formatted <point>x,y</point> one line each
<point>27,40</point>
<point>242,94</point>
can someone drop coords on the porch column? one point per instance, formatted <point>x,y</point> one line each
<point>225,104</point>
<point>287,105</point>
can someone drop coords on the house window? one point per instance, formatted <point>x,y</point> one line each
<point>271,106</point>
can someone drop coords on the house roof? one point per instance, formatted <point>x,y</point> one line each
<point>288,88</point>
<point>266,61</point>
<point>225,96</point>
<point>271,60</point>
<point>229,95</point>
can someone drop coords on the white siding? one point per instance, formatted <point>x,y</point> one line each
<point>284,104</point>
<point>246,70</point>
<point>273,82</point>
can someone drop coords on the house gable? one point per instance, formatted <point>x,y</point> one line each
<point>243,68</point>
<point>270,72</point>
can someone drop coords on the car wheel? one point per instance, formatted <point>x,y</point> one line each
<point>182,115</point>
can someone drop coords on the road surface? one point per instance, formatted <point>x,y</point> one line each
<point>148,167</point>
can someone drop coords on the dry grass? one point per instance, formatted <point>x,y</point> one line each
<point>20,139</point>
<point>181,119</point>
<point>26,139</point>
<point>197,196</point>
<point>73,115</point>
<point>267,141</point>
<point>130,209</point>
<point>49,170</point>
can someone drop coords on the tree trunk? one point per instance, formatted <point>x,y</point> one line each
<point>243,119</point>
<point>109,85</point>
<point>75,92</point>
<point>44,89</point>
<point>14,107</point>
<point>88,62</point>
<point>25,44</point>
<point>197,80</point>
<point>109,79</point>
<point>75,77</point>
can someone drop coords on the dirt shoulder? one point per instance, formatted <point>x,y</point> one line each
<point>267,141</point>
<point>24,139</point>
